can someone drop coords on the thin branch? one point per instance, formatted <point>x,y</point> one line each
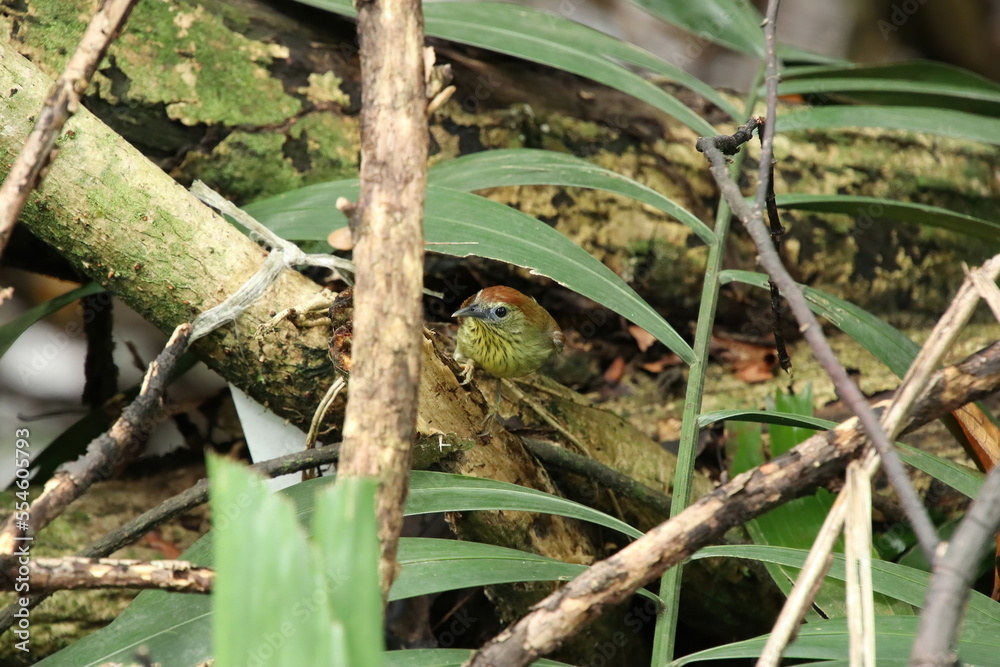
<point>915,382</point>
<point>813,333</point>
<point>941,339</point>
<point>182,502</point>
<point>951,579</point>
<point>807,585</point>
<point>75,573</point>
<point>106,452</point>
<point>819,458</point>
<point>63,101</point>
<point>609,478</point>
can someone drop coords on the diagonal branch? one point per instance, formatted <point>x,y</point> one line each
<point>751,217</point>
<point>63,100</point>
<point>108,451</point>
<point>819,458</point>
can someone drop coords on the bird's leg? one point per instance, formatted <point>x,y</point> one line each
<point>468,367</point>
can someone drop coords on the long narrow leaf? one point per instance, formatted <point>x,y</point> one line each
<point>903,583</point>
<point>435,565</point>
<point>871,209</point>
<point>979,643</point>
<point>888,345</point>
<point>11,331</point>
<point>732,23</point>
<point>558,42</point>
<point>943,122</point>
<point>959,477</point>
<point>444,492</point>
<point>463,224</point>
<point>522,166</point>
<point>917,83</point>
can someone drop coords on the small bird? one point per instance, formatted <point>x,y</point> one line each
<point>505,333</point>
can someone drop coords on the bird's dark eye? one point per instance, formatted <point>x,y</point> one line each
<point>500,312</point>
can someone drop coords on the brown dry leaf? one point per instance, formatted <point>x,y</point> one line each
<point>668,429</point>
<point>155,540</point>
<point>662,363</point>
<point>340,239</point>
<point>643,338</point>
<point>749,361</point>
<point>982,434</point>
<point>615,372</point>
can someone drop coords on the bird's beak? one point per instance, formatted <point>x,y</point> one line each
<point>470,311</point>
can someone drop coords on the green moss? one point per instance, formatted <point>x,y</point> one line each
<point>332,152</point>
<point>245,166</point>
<point>175,54</point>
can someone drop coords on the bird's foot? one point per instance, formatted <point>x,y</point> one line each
<point>468,368</point>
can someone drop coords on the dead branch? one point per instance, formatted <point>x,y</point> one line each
<point>380,419</point>
<point>108,451</point>
<point>811,463</point>
<point>75,573</point>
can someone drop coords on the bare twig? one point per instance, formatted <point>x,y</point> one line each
<point>106,452</point>
<point>821,457</point>
<point>915,381</point>
<point>182,502</point>
<point>807,585</point>
<point>75,573</point>
<point>63,100</point>
<point>380,419</point>
<point>813,333</point>
<point>941,338</point>
<point>609,478</point>
<point>985,283</point>
<point>952,577</point>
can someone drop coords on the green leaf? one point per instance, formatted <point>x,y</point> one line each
<point>869,209</point>
<point>888,345</point>
<point>795,524</point>
<point>786,436</point>
<point>522,166</point>
<point>900,582</point>
<point>265,576</point>
<point>346,533</point>
<point>434,565</point>
<point>471,225</point>
<point>764,417</point>
<point>959,477</point>
<point>915,84</point>
<point>558,42</point>
<point>177,627</point>
<point>443,492</point>
<point>11,331</point>
<point>731,23</point>
<point>943,122</point>
<point>979,643</point>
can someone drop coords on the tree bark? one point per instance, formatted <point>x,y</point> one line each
<point>389,256</point>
